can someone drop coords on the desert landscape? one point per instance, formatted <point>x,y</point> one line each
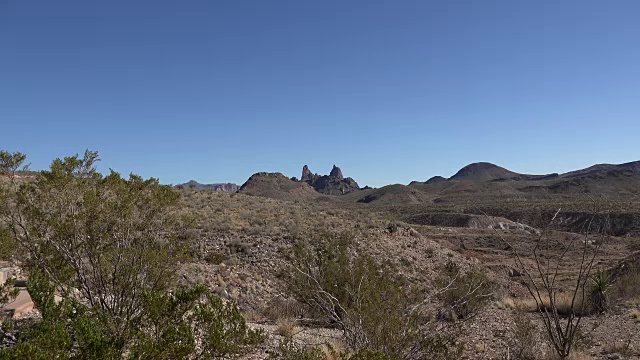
<point>319,180</point>
<point>458,267</point>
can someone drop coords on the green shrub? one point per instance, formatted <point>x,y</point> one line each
<point>172,322</point>
<point>167,328</point>
<point>109,247</point>
<point>287,350</point>
<point>393,227</point>
<point>8,291</point>
<point>222,328</point>
<point>372,306</point>
<point>66,328</point>
<point>600,286</point>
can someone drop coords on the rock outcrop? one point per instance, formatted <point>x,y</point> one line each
<point>336,173</point>
<point>308,176</point>
<point>333,184</point>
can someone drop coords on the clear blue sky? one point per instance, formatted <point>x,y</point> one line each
<point>391,91</point>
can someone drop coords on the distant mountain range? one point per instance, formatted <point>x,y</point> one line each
<point>483,171</point>
<point>471,181</point>
<point>228,187</point>
<point>472,193</point>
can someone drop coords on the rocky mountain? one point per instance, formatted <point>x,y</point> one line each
<point>308,176</point>
<point>336,173</point>
<point>228,187</point>
<point>333,184</point>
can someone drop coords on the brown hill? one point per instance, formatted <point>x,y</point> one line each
<point>601,169</point>
<point>436,180</point>
<point>277,186</point>
<point>390,195</point>
<point>483,171</point>
<point>433,180</point>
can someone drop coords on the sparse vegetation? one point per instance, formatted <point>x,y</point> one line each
<point>375,310</point>
<point>626,283</point>
<point>286,327</point>
<point>562,318</point>
<point>463,294</point>
<point>526,342</point>
<point>562,304</point>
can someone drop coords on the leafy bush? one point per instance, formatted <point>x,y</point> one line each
<point>8,292</point>
<point>222,328</point>
<point>67,329</point>
<point>109,247</point>
<point>168,328</point>
<point>109,237</point>
<point>172,322</point>
<point>371,305</point>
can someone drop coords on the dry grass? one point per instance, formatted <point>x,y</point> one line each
<point>507,303</point>
<point>526,342</point>
<point>579,356</point>
<point>280,307</point>
<point>576,355</point>
<point>332,349</point>
<point>252,315</point>
<point>619,347</point>
<point>286,327</point>
<point>626,287</point>
<point>237,215</point>
<point>563,303</point>
<point>633,302</point>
